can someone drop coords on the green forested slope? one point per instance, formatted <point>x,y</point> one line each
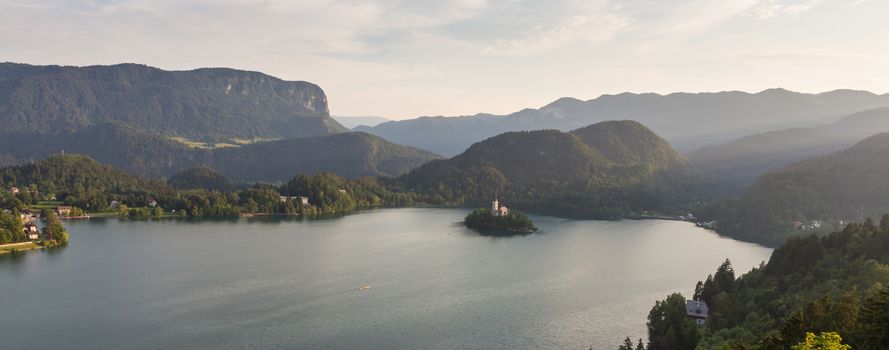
<point>567,174</point>
<point>836,283</point>
<point>846,186</point>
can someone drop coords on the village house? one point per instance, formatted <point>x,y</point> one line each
<point>152,203</point>
<point>14,190</point>
<point>63,210</point>
<point>114,204</point>
<point>296,199</point>
<point>27,216</point>
<point>697,310</point>
<point>31,231</point>
<point>497,209</point>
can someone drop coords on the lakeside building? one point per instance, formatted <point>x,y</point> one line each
<point>296,199</point>
<point>697,310</point>
<point>31,231</point>
<point>63,210</point>
<point>497,209</point>
<point>27,216</point>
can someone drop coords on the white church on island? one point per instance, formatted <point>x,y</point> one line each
<point>497,209</point>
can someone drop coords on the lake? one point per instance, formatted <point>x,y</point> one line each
<point>382,279</point>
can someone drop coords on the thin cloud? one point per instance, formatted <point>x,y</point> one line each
<point>577,29</point>
<point>400,58</point>
<point>775,8</point>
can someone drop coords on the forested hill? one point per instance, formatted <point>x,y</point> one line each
<point>845,186</point>
<point>838,284</point>
<point>742,161</point>
<point>200,177</point>
<point>210,104</point>
<point>629,142</point>
<point>80,177</point>
<point>622,169</point>
<point>151,155</point>
<point>351,155</point>
<point>91,186</point>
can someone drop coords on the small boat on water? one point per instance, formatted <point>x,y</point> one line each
<point>364,287</point>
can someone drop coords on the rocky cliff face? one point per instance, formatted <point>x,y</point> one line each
<point>204,104</point>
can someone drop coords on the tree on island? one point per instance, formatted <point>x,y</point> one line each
<point>513,221</point>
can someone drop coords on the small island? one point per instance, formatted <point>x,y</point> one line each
<point>499,218</point>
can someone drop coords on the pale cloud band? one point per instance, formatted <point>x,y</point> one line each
<point>408,58</point>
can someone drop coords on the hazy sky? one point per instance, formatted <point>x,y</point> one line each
<point>401,59</point>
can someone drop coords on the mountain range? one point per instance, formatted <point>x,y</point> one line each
<point>687,120</point>
<point>742,161</point>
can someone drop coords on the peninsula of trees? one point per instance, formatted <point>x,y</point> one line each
<point>80,182</point>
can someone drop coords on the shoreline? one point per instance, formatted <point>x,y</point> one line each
<point>12,247</point>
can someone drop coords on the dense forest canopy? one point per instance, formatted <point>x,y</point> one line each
<point>200,177</point>
<point>836,284</point>
<point>84,183</point>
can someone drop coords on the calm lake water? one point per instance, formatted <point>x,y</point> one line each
<point>297,284</point>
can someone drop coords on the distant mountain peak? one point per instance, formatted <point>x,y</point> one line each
<point>570,101</point>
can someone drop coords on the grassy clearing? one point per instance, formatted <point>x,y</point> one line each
<point>202,145</point>
<point>189,143</point>
<point>234,142</point>
<point>224,145</point>
<point>19,247</point>
<point>253,140</point>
